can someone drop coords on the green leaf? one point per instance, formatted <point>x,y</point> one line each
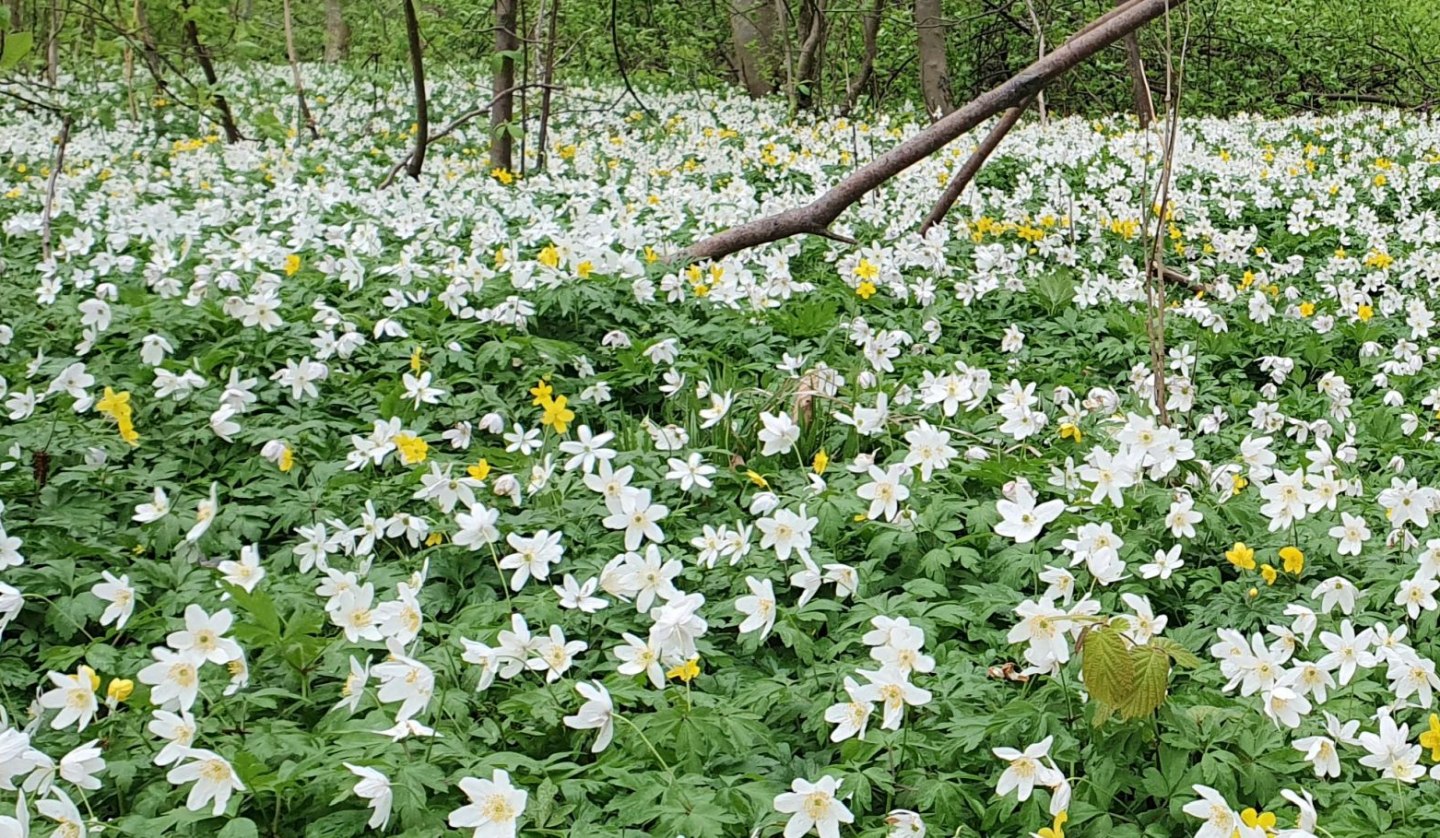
<point>239,828</point>
<point>1179,655</point>
<point>16,46</point>
<point>1151,668</point>
<point>1109,670</point>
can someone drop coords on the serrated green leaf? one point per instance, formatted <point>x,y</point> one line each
<point>1179,655</point>
<point>1106,662</point>
<point>1151,667</point>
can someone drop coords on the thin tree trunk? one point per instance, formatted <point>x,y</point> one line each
<point>1144,104</point>
<point>1040,49</point>
<point>17,16</point>
<point>502,109</point>
<point>782,19</point>
<point>870,32</point>
<point>52,45</point>
<point>305,116</point>
<point>207,66</point>
<point>422,104</point>
<point>934,65</point>
<point>337,33</point>
<point>815,217</point>
<point>147,42</point>
<point>547,78</point>
<point>810,65</point>
<point>749,44</point>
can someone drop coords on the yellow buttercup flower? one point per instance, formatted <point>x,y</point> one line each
<point>1261,820</point>
<point>1269,574</point>
<point>541,392</point>
<point>866,270</point>
<point>415,359</point>
<point>584,269</point>
<point>1430,739</point>
<point>480,470</point>
<point>865,290</point>
<point>549,257</point>
<point>1238,484</point>
<point>686,671</point>
<point>1307,309</point>
<point>292,264</point>
<point>821,462</point>
<point>557,415</point>
<point>287,459</point>
<point>1057,829</point>
<point>1069,430</point>
<point>1365,312</point>
<point>412,448</point>
<point>1241,556</point>
<point>433,539</point>
<point>112,404</point>
<point>1293,559</point>
<point>757,478</point>
<point>119,689</point>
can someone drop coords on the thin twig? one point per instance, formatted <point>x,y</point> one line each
<point>46,248</point>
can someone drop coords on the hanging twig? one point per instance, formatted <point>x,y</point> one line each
<point>207,66</point>
<point>46,247</point>
<point>620,62</point>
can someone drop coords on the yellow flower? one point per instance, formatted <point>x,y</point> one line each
<point>1307,309</point>
<point>757,478</point>
<point>1253,592</point>
<point>434,539</point>
<point>1069,430</point>
<point>865,290</point>
<point>292,264</point>
<point>584,269</point>
<point>686,671</point>
<point>866,270</point>
<point>119,689</point>
<point>480,470</point>
<point>549,257</point>
<point>1431,738</point>
<point>500,257</point>
<point>1238,484</point>
<point>1263,820</point>
<point>287,459</point>
<point>651,255</point>
<point>821,462</point>
<point>541,392</point>
<point>1365,313</point>
<point>1241,556</point>
<point>502,175</point>
<point>90,673</point>
<point>557,415</point>
<point>412,448</point>
<point>1293,559</point>
<point>112,404</point>
<point>1268,573</point>
<point>1057,830</point>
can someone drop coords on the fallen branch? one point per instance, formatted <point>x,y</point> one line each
<point>820,213</point>
<point>457,123</point>
<point>972,166</point>
<point>46,248</point>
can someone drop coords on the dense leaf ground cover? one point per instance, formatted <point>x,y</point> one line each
<point>455,505</point>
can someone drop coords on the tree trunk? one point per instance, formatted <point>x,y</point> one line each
<point>811,63</point>
<point>147,44</point>
<point>337,33</point>
<point>750,45</point>
<point>207,66</point>
<point>52,45</point>
<point>502,110</point>
<point>870,32</point>
<point>17,17</point>
<point>422,103</point>
<point>305,116</point>
<point>1144,105</point>
<point>547,78</point>
<point>782,20</point>
<point>934,67</point>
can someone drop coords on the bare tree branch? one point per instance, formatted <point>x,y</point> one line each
<point>820,213</point>
<point>972,166</point>
<point>46,247</point>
